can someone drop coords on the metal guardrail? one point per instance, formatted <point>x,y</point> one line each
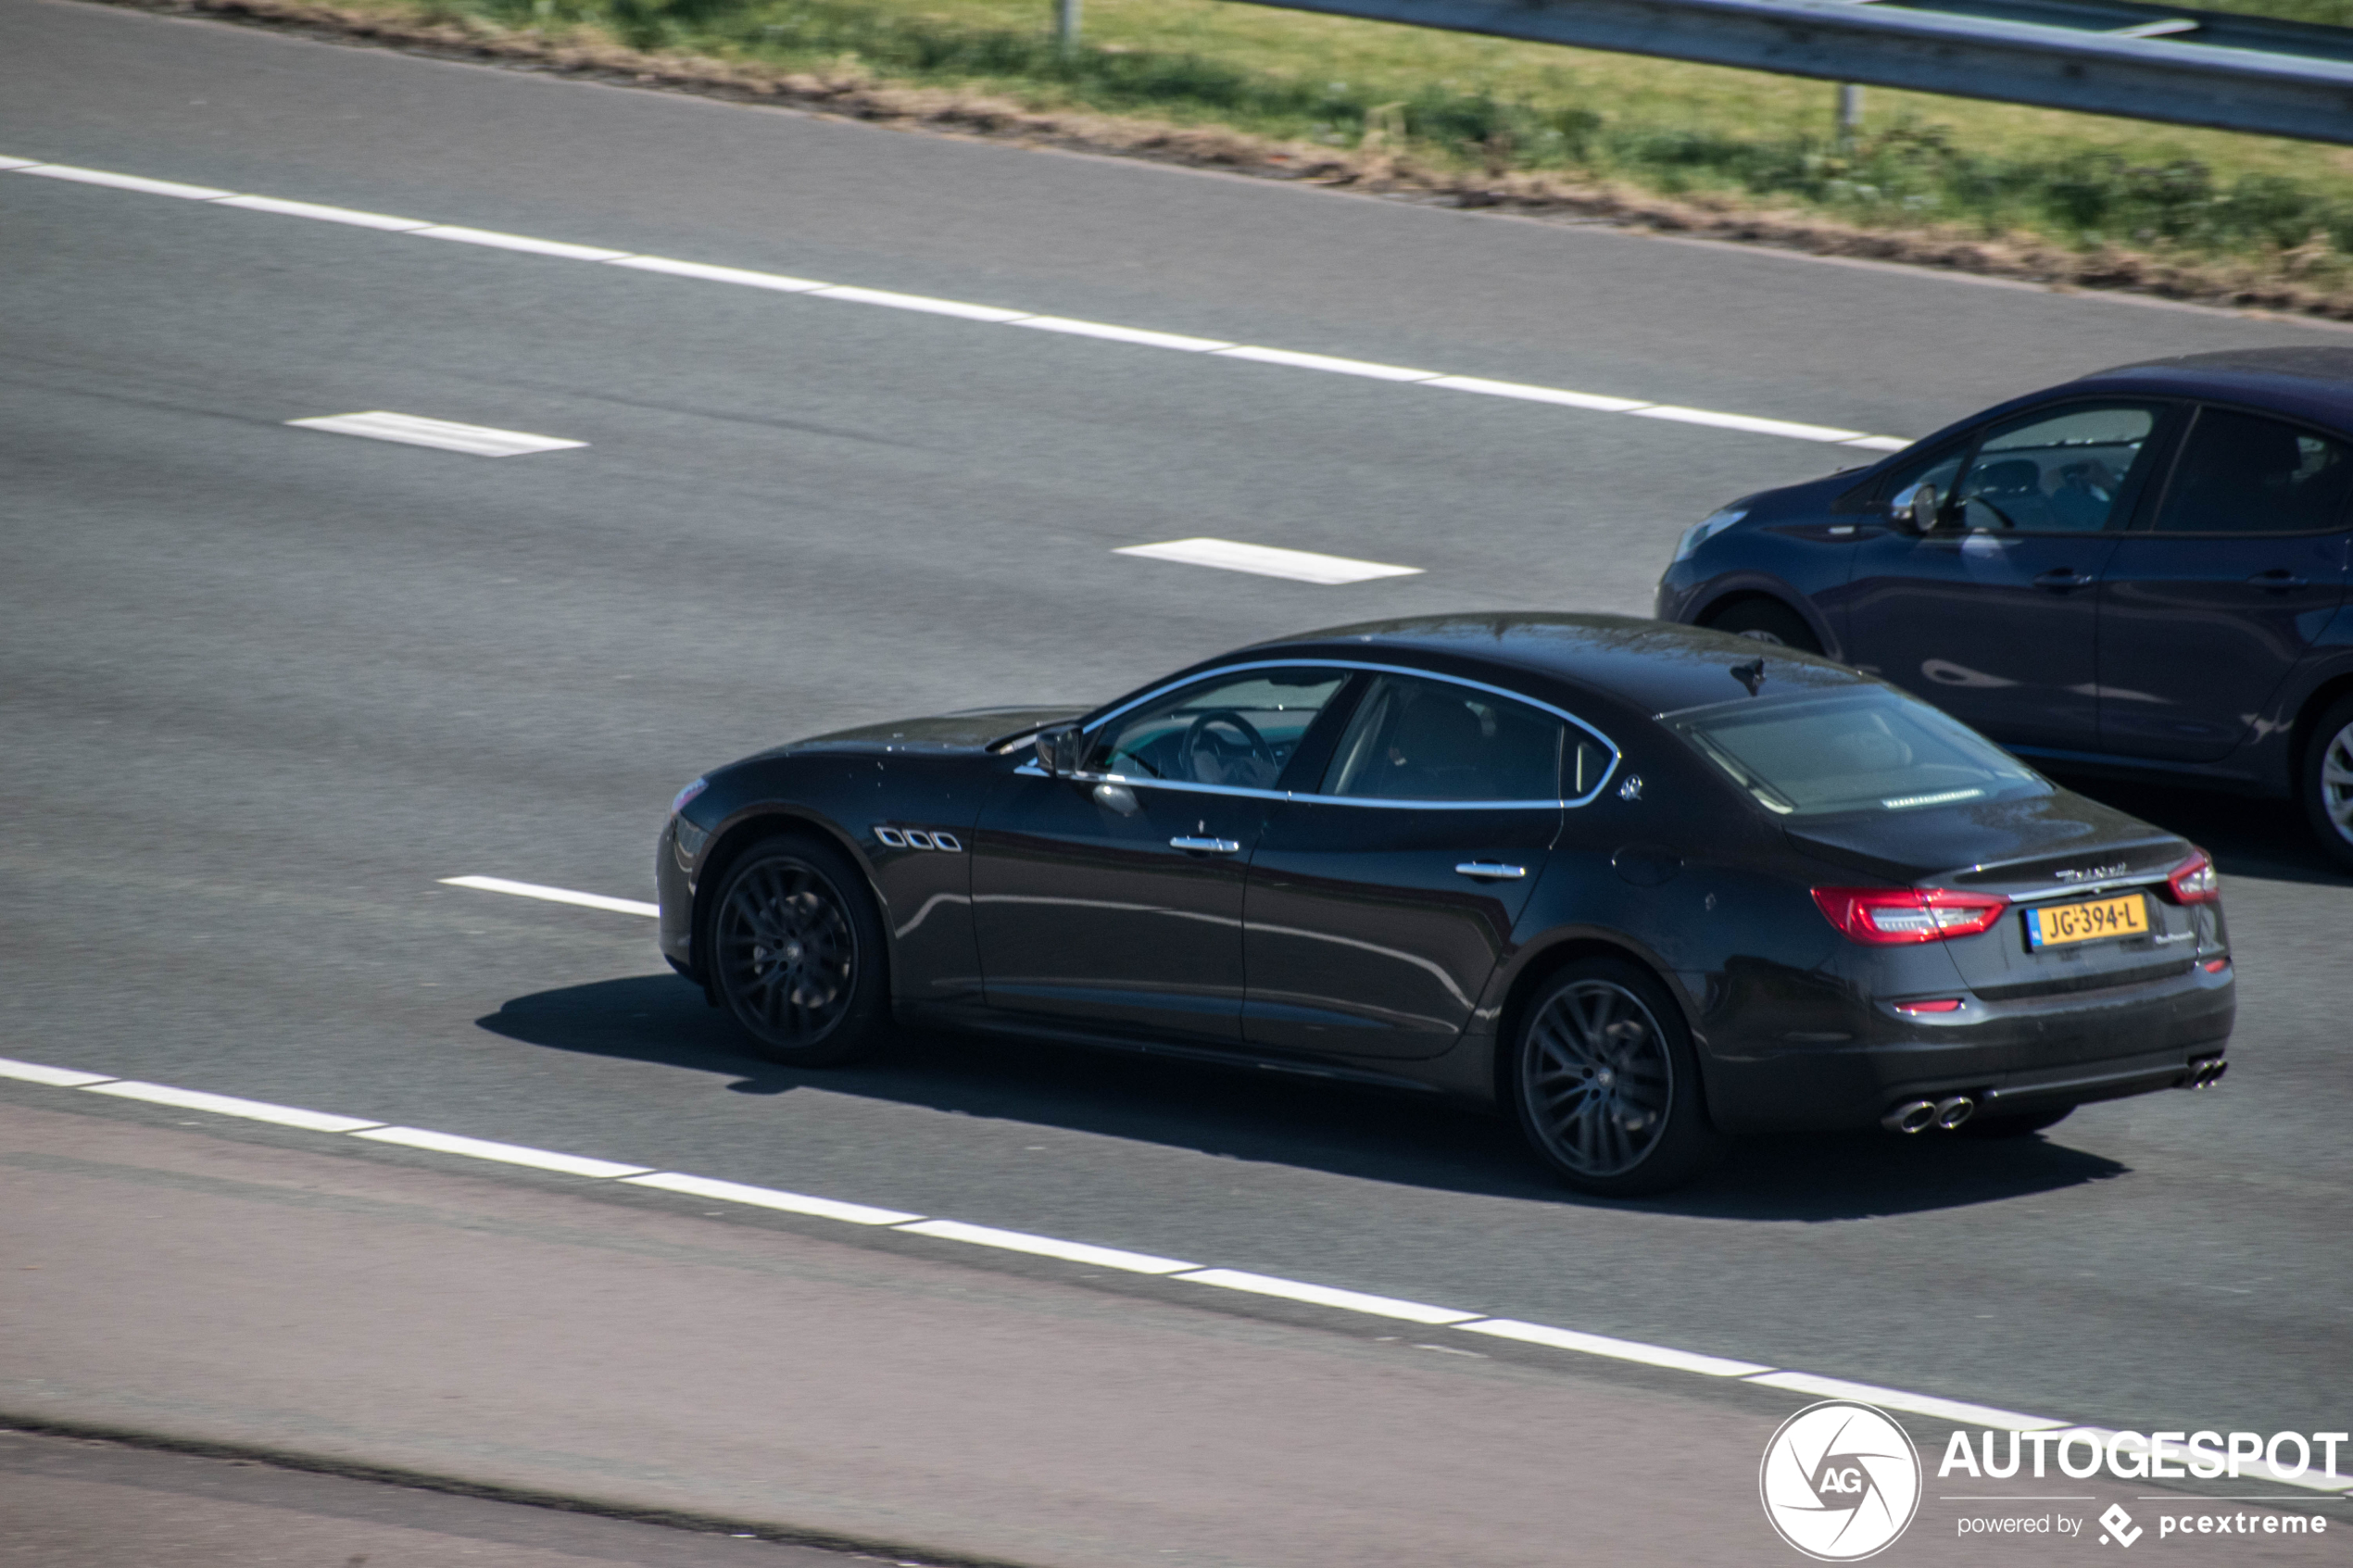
<point>2095,57</point>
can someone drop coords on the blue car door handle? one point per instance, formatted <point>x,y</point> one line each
<point>1206,846</point>
<point>2279,579</point>
<point>2060,580</point>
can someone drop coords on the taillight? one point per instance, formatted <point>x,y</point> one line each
<point>1941,1004</point>
<point>2193,880</point>
<point>1888,917</point>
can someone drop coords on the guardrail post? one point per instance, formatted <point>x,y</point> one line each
<point>1066,26</point>
<point>1850,112</point>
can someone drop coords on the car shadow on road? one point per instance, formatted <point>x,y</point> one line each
<point>2269,839</point>
<point>1278,1118</point>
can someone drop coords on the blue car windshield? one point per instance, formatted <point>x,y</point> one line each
<point>1867,749</point>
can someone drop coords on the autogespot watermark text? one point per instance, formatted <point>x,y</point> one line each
<point>2153,1456</point>
<point>1841,1481</point>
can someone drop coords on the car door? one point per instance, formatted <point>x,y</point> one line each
<point>1113,897</point>
<point>1993,615</point>
<point>1385,891</point>
<point>2204,609</point>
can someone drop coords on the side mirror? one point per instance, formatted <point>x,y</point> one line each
<point>1913,508</point>
<point>1058,750</point>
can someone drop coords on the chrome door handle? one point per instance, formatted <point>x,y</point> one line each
<point>2062,580</point>
<point>1490,871</point>
<point>1205,846</point>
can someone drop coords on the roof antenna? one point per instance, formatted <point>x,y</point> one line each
<point>1750,674</point>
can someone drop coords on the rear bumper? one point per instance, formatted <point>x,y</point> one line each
<point>2010,1057</point>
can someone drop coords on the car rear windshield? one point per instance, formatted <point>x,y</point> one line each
<point>1866,750</point>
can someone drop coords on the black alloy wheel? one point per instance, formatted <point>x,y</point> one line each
<point>2326,782</point>
<point>1606,1085</point>
<point>1767,620</point>
<point>796,948</point>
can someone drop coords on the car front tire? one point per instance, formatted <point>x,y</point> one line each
<point>1605,1083</point>
<point>797,953</point>
<point>2326,782</point>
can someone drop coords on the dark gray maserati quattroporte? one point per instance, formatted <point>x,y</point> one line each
<point>1639,886</point>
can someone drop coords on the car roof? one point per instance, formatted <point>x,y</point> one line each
<point>2315,382</point>
<point>1655,666</point>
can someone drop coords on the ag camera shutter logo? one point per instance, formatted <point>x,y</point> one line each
<point>1840,1481</point>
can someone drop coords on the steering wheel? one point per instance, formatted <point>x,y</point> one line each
<point>1197,738</point>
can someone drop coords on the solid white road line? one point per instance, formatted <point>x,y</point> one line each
<point>504,1153</point>
<point>1121,334</point>
<point>1956,1412</point>
<point>919,302</point>
<point>55,1077</point>
<point>704,273</point>
<point>770,1197</point>
<point>1746,422</point>
<point>1047,1247</point>
<point>1554,395</point>
<point>1263,560</point>
<point>553,895</point>
<point>497,241</point>
<point>1618,1349</point>
<point>998,315</point>
<point>1325,1296</point>
<point>123,181</point>
<point>412,430</point>
<point>1327,363</point>
<point>326,214</point>
<point>229,1105</point>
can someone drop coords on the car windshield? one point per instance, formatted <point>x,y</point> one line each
<point>1866,750</point>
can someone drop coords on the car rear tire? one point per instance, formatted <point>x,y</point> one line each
<point>797,953</point>
<point>2017,1126</point>
<point>1604,1085</point>
<point>2325,782</point>
<point>1767,620</point>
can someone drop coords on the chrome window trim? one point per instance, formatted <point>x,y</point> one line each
<point>1616,755</point>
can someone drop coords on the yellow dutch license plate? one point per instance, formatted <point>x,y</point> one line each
<point>2060,925</point>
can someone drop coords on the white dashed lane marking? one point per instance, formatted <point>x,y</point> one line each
<point>553,895</point>
<point>411,430</point>
<point>1082,1253</point>
<point>996,315</point>
<point>1264,560</point>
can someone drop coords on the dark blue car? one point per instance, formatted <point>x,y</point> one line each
<point>2142,573</point>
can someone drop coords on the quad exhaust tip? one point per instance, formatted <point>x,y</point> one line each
<point>1915,1116</point>
<point>2206,1075</point>
<point>1912,1116</point>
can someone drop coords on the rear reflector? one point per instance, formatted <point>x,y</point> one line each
<point>1946,1003</point>
<point>2216,966</point>
<point>1888,917</point>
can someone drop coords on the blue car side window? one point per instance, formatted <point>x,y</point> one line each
<point>2056,473</point>
<point>2242,473</point>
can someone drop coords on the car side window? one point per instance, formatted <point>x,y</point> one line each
<point>1413,739</point>
<point>1938,469</point>
<point>2242,473</point>
<point>1237,731</point>
<point>2055,473</point>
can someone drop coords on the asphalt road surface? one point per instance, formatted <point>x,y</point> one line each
<point>262,688</point>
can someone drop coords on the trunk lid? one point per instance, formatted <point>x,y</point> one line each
<point>2050,851</point>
